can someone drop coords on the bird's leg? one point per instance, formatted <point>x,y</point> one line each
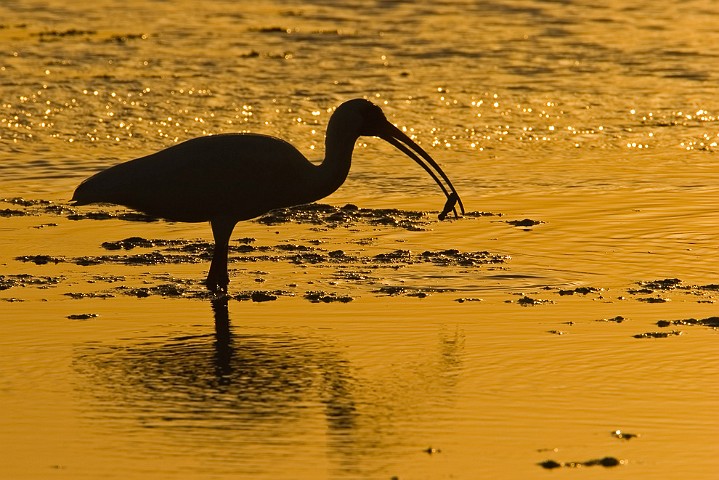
<point>217,277</point>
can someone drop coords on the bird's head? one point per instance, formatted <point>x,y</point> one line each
<point>371,121</point>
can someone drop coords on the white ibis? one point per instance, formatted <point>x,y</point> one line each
<point>231,177</point>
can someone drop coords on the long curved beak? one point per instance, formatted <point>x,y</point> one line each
<point>406,145</point>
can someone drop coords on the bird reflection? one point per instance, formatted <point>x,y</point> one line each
<point>231,391</point>
<point>223,340</point>
<point>223,380</point>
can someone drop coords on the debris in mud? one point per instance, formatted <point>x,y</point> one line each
<point>332,217</point>
<point>581,291</point>
<point>107,278</point>
<point>133,242</point>
<point>526,301</point>
<point>712,322</point>
<point>128,37</point>
<point>452,199</point>
<point>394,290</point>
<point>624,435</point>
<point>22,280</point>
<point>654,300</point>
<point>468,299</point>
<point>311,258</point>
<point>354,275</point>
<point>604,462</point>
<point>323,297</point>
<point>673,284</point>
<point>83,316</point>
<point>658,334</point>
<point>163,290</point>
<point>81,295</point>
<point>524,223</point>
<point>102,215</point>
<point>39,259</point>
<point>398,256</point>
<point>391,290</point>
<point>261,296</point>
<point>462,259</point>
<point>8,212</point>
<point>557,332</point>
<point>665,284</point>
<point>32,207</point>
<point>23,202</point>
<point>432,450</point>
<point>451,257</point>
<point>73,32</point>
<point>617,319</point>
<point>192,251</point>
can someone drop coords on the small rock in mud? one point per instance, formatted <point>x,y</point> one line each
<point>624,435</point>
<point>83,316</point>
<point>524,223</point>
<point>323,297</point>
<point>550,464</point>
<point>604,462</point>
<point>617,319</point>
<point>658,334</point>
<point>262,297</point>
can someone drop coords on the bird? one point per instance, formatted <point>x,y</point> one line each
<point>230,177</point>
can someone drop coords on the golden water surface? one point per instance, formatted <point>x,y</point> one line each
<point>389,344</point>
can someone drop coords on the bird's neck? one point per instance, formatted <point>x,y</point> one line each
<point>339,144</point>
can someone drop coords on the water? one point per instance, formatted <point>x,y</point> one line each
<point>597,119</point>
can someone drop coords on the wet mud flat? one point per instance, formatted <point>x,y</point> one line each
<point>342,249</point>
<point>362,266</point>
<point>356,259</point>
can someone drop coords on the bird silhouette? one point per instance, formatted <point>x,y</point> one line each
<point>227,178</point>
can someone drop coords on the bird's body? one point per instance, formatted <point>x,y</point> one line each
<point>227,178</point>
<point>237,175</point>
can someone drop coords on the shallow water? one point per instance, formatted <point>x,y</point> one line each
<point>364,342</point>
